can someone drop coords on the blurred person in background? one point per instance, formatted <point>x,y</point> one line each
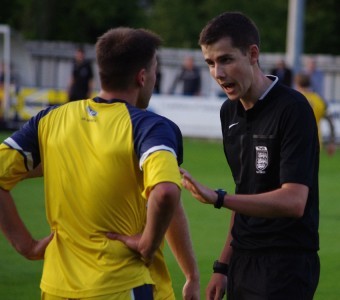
<point>190,77</point>
<point>317,77</point>
<point>158,83</point>
<point>284,73</point>
<point>14,86</point>
<point>319,106</point>
<point>81,82</point>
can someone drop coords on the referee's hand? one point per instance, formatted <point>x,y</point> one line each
<point>197,190</point>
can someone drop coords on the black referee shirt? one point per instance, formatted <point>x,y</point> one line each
<point>273,143</point>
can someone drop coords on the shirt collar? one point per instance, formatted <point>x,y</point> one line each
<point>275,79</point>
<point>100,100</point>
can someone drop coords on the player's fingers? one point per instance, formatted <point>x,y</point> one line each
<point>38,248</point>
<point>129,241</point>
<point>45,241</point>
<point>116,236</point>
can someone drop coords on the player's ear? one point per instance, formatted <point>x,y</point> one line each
<point>140,77</point>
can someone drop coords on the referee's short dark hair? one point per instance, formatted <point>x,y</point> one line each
<point>241,30</point>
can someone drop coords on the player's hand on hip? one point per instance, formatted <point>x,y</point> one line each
<point>36,249</point>
<point>131,242</point>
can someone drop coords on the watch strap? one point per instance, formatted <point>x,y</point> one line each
<point>220,198</point>
<point>220,268</point>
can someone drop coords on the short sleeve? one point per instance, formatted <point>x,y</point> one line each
<point>160,166</point>
<point>12,167</point>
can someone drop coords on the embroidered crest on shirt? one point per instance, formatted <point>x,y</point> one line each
<point>91,112</point>
<point>261,159</point>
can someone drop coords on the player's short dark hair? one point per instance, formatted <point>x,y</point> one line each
<point>121,52</point>
<point>239,28</point>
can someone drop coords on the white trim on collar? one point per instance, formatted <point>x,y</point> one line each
<point>275,80</point>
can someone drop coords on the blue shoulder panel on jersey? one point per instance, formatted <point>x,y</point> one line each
<point>26,139</point>
<point>152,130</point>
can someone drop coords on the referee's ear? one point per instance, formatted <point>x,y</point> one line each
<point>254,53</point>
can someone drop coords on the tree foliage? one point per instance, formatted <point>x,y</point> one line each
<point>76,20</point>
<point>178,22</point>
<point>322,25</point>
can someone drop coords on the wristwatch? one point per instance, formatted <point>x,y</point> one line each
<point>220,268</point>
<point>220,198</point>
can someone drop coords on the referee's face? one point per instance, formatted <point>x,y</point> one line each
<point>230,67</point>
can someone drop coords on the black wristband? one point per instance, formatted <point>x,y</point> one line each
<point>220,198</point>
<point>220,268</point>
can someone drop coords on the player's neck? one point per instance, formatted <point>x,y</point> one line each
<point>127,96</point>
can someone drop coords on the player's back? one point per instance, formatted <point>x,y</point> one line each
<point>93,185</point>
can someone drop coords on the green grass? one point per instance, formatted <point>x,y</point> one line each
<point>19,278</point>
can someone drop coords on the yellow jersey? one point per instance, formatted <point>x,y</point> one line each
<point>319,108</point>
<point>100,159</point>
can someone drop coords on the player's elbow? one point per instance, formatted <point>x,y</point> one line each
<point>163,200</point>
<point>168,195</point>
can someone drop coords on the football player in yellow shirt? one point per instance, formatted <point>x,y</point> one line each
<point>319,106</point>
<point>111,169</point>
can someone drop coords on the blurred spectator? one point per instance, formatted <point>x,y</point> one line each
<point>157,88</point>
<point>14,87</point>
<point>2,77</point>
<point>14,78</point>
<point>303,85</point>
<point>316,76</point>
<point>80,86</point>
<point>284,73</point>
<point>190,76</point>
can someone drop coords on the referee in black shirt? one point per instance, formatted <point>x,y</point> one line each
<point>271,145</point>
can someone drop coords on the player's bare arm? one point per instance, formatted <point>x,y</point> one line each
<point>16,232</point>
<point>178,238</point>
<point>162,203</point>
